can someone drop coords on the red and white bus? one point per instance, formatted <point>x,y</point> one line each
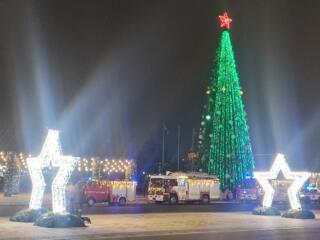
<point>112,192</point>
<point>182,187</point>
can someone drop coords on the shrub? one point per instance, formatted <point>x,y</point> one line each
<point>63,220</point>
<point>28,215</point>
<point>299,214</point>
<point>270,211</point>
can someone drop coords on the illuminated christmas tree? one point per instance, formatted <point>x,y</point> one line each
<point>205,130</point>
<point>224,142</point>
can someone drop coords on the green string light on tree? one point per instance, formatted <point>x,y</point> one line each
<point>230,154</point>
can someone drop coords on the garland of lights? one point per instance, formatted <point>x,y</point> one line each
<point>108,166</point>
<point>280,164</point>
<point>51,155</point>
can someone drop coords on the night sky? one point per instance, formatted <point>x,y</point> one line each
<point>109,73</point>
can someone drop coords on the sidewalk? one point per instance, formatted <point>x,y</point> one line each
<point>157,224</point>
<point>24,198</point>
<point>15,203</point>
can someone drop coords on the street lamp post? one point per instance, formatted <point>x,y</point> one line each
<point>178,157</point>
<point>162,160</point>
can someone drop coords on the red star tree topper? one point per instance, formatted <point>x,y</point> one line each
<point>225,21</point>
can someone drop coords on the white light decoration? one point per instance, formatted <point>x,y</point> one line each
<point>298,178</point>
<point>51,155</point>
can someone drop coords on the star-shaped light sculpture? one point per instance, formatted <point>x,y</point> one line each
<point>51,155</point>
<point>225,21</point>
<point>298,178</point>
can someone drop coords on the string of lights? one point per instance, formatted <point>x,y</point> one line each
<point>20,159</point>
<point>108,166</point>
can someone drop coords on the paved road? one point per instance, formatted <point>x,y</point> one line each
<point>165,226</point>
<point>9,210</point>
<point>284,234</point>
<point>218,220</point>
<point>218,206</point>
<point>166,208</point>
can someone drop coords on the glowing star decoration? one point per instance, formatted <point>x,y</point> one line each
<point>225,21</point>
<point>298,178</point>
<point>51,155</point>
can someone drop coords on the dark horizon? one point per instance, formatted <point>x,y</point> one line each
<point>108,74</point>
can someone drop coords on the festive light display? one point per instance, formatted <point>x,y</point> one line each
<point>10,169</point>
<point>224,139</point>
<point>202,155</point>
<point>225,21</point>
<point>51,155</point>
<point>2,170</point>
<point>22,163</point>
<point>280,164</point>
<point>85,165</point>
<point>107,166</point>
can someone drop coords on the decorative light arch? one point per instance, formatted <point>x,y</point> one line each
<point>280,164</point>
<point>51,155</point>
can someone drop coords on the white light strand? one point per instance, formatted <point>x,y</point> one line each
<point>51,155</point>
<point>38,183</point>
<point>280,164</point>
<point>60,181</point>
<point>51,150</point>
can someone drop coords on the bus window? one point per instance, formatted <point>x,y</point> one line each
<point>181,182</point>
<point>156,182</point>
<point>170,182</point>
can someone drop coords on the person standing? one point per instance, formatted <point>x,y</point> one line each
<point>70,198</point>
<point>78,197</point>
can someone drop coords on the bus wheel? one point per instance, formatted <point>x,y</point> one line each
<point>122,201</point>
<point>173,199</point>
<point>230,196</point>
<point>91,202</point>
<point>205,199</point>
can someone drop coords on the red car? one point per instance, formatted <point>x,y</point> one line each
<point>113,192</point>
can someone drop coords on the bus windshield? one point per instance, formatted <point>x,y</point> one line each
<point>249,183</point>
<point>156,182</point>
